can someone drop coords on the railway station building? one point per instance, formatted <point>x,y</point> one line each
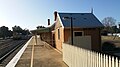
<point>86,31</point>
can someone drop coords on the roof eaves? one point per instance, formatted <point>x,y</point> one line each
<point>98,20</point>
<point>60,20</point>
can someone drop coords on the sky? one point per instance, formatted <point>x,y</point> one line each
<point>32,13</point>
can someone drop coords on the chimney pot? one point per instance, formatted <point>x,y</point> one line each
<point>48,22</point>
<point>55,15</point>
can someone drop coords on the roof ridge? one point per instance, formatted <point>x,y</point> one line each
<point>85,20</point>
<point>74,13</point>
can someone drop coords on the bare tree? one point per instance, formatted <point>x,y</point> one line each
<point>109,21</point>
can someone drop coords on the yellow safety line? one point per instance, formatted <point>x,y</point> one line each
<point>31,64</point>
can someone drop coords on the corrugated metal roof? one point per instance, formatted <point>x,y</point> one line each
<point>81,20</point>
<point>47,29</point>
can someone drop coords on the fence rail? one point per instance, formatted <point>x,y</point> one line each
<point>78,57</point>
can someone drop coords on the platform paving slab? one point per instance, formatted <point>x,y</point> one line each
<point>44,56</point>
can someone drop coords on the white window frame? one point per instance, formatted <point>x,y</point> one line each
<point>78,31</point>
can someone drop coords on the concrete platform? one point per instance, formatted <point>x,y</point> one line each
<point>40,54</point>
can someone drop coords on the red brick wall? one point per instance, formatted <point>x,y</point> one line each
<point>59,42</point>
<point>47,37</point>
<point>94,33</point>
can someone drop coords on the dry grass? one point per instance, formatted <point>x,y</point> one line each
<point>110,38</point>
<point>115,40</point>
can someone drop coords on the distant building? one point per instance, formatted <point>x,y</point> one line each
<point>114,34</point>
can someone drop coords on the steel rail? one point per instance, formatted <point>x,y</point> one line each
<point>13,49</point>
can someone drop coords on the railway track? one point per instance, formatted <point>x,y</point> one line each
<point>3,42</point>
<point>8,49</point>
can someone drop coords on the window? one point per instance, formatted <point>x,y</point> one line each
<point>79,33</point>
<point>58,33</point>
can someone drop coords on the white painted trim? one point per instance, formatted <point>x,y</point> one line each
<point>16,58</point>
<point>60,20</point>
<point>78,31</point>
<point>32,55</point>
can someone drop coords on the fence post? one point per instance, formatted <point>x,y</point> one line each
<point>82,57</point>
<point>75,56</point>
<point>77,62</point>
<point>101,56</point>
<point>113,61</point>
<point>85,58</point>
<point>110,61</point>
<point>71,55</point>
<point>88,59</point>
<point>116,61</point>
<point>97,60</point>
<point>119,63</point>
<point>104,61</point>
<point>106,58</point>
<point>94,59</point>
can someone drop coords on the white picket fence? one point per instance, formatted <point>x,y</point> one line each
<point>78,57</point>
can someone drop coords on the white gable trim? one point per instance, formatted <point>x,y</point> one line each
<point>60,20</point>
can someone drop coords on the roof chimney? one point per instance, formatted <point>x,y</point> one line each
<point>55,15</point>
<point>92,10</point>
<point>48,22</point>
